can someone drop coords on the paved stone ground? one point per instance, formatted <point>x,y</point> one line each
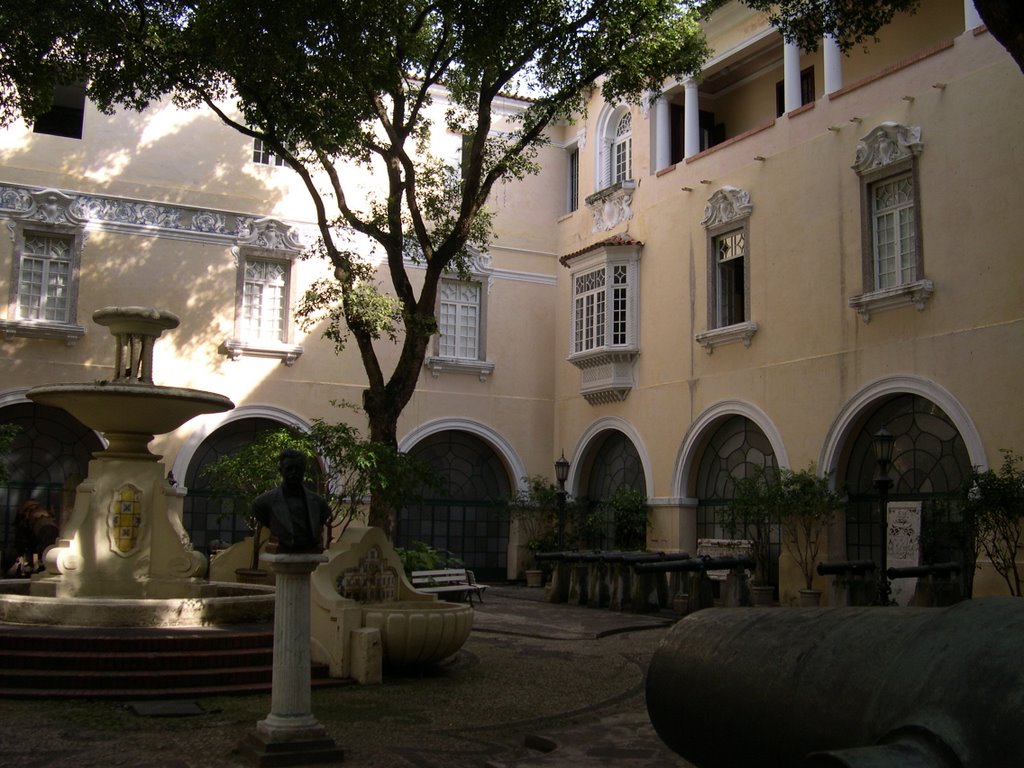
<point>535,686</point>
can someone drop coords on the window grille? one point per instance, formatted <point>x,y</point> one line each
<point>44,284</point>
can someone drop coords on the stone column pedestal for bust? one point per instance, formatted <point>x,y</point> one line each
<point>290,734</point>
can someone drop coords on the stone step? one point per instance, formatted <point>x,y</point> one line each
<point>138,662</point>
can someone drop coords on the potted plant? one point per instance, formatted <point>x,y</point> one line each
<point>751,515</point>
<point>992,509</point>
<point>806,506</point>
<point>534,510</point>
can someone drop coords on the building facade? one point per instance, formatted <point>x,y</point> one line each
<point>759,267</point>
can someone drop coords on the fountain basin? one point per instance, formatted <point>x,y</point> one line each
<point>419,632</point>
<point>211,604</point>
<point>129,415</point>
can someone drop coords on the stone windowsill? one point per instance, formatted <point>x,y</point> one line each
<point>69,333</point>
<point>730,334</point>
<point>438,365</point>
<point>917,294</point>
<point>237,348</point>
<point>622,187</point>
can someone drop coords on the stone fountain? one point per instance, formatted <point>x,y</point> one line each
<point>124,557</point>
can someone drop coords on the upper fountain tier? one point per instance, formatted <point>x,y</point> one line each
<point>130,409</point>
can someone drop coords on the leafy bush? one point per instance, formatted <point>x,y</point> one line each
<point>992,506</point>
<point>534,509</point>
<point>423,557</point>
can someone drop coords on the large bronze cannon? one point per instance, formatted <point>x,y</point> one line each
<point>858,687</point>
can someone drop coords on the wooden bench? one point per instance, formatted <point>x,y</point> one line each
<point>448,580</point>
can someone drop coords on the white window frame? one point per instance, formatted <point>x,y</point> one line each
<point>621,153</point>
<point>615,148</point>
<point>464,361</point>
<point>604,317</point>
<point>572,178</point>
<point>460,320</point>
<point>727,218</point>
<point>273,242</point>
<point>263,155</point>
<point>269,292</point>
<point>887,155</point>
<point>50,214</point>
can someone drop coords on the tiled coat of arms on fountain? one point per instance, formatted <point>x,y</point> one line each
<point>366,615</point>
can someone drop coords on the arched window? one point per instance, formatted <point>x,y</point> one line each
<point>735,450</point>
<point>466,514</point>
<point>622,149</point>
<point>929,465</point>
<point>615,163</point>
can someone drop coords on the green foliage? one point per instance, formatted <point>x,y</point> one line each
<point>8,433</point>
<point>752,513</point>
<point>849,23</point>
<point>807,505</point>
<point>423,557</point>
<point>534,509</point>
<point>992,505</point>
<point>245,474</point>
<point>354,468</point>
<point>628,511</point>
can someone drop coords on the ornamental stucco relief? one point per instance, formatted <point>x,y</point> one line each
<point>725,205</point>
<point>887,144</point>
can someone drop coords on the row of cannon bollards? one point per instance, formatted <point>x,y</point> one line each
<point>655,581</point>
<point>645,581</point>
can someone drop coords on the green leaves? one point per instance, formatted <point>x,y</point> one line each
<point>992,506</point>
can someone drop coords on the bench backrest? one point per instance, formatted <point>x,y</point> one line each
<point>440,577</point>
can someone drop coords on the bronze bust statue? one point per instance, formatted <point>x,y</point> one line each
<point>294,514</point>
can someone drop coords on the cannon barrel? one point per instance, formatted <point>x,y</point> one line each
<point>725,563</point>
<point>934,569</point>
<point>846,567</point>
<point>857,687</point>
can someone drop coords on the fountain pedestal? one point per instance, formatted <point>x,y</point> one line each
<point>290,734</point>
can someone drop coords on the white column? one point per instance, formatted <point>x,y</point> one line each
<point>691,120</point>
<point>791,70</point>
<point>833,64</point>
<point>290,715</point>
<point>662,134</point>
<point>971,17</point>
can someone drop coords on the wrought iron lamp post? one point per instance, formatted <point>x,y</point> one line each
<point>561,475</point>
<point>882,443</point>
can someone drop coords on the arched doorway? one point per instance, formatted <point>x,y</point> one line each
<point>614,463</point>
<point>48,460</point>
<point>735,449</point>
<point>930,463</point>
<point>466,515</point>
<point>209,518</point>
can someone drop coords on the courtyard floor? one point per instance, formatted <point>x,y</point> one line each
<point>536,685</point>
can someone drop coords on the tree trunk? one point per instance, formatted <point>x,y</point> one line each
<point>1005,22</point>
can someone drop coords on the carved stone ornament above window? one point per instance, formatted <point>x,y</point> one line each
<point>611,206</point>
<point>270,235</point>
<point>887,144</point>
<point>725,205</point>
<point>51,206</point>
